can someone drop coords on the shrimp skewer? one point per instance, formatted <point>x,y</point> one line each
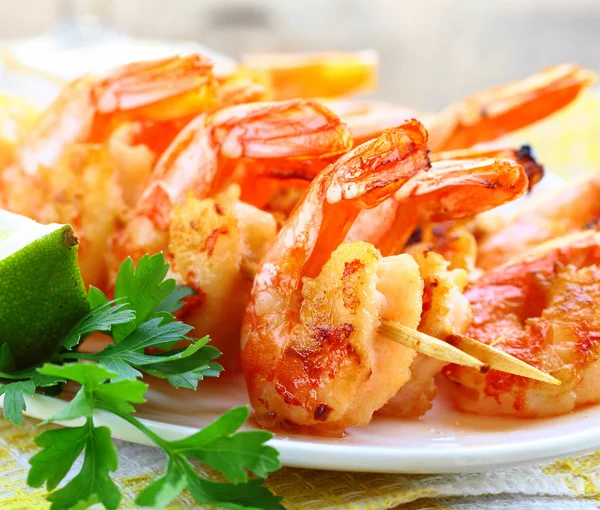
<point>543,308</point>
<point>447,316</point>
<point>446,313</point>
<point>311,354</point>
<point>450,190</point>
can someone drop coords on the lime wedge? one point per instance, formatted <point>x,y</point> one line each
<point>41,291</point>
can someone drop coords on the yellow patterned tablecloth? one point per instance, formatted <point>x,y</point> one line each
<point>571,483</point>
<point>567,144</point>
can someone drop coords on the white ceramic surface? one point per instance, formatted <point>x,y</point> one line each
<point>444,441</point>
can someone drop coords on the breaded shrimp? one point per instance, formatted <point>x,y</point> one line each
<point>544,308</point>
<point>311,353</point>
<point>548,216</point>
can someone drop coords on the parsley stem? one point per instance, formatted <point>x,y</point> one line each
<point>156,439</point>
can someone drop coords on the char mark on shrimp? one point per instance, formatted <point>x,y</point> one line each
<point>415,237</point>
<point>333,335</point>
<point>288,397</point>
<point>218,209</point>
<point>352,267</point>
<point>211,240</point>
<point>593,224</point>
<point>322,412</point>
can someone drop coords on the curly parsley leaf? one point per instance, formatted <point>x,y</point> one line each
<point>14,402</point>
<point>144,288</point>
<point>93,483</point>
<point>182,367</point>
<point>62,447</point>
<point>103,318</point>
<point>174,301</point>
<point>219,445</point>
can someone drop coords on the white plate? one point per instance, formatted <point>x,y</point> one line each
<point>444,441</point>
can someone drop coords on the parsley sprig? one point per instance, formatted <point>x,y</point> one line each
<point>140,317</point>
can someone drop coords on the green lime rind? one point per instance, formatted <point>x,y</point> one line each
<point>41,296</point>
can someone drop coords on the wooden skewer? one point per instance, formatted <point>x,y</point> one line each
<point>428,345</point>
<point>457,349</point>
<point>462,350</point>
<point>499,360</point>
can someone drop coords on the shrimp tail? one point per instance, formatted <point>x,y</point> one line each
<point>376,169</point>
<point>146,84</point>
<point>501,110</point>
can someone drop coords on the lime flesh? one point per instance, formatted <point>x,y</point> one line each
<point>42,294</point>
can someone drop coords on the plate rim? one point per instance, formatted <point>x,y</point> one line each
<point>444,459</point>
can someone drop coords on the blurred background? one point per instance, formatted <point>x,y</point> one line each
<point>432,51</point>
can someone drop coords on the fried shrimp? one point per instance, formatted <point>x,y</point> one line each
<point>65,166</point>
<point>215,245</point>
<point>91,107</point>
<point>311,353</point>
<point>495,112</point>
<point>548,216</point>
<point>451,190</point>
<point>204,156</point>
<point>542,307</point>
<point>484,117</point>
<point>192,209</point>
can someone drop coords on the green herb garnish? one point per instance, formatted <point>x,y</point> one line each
<point>140,317</point>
